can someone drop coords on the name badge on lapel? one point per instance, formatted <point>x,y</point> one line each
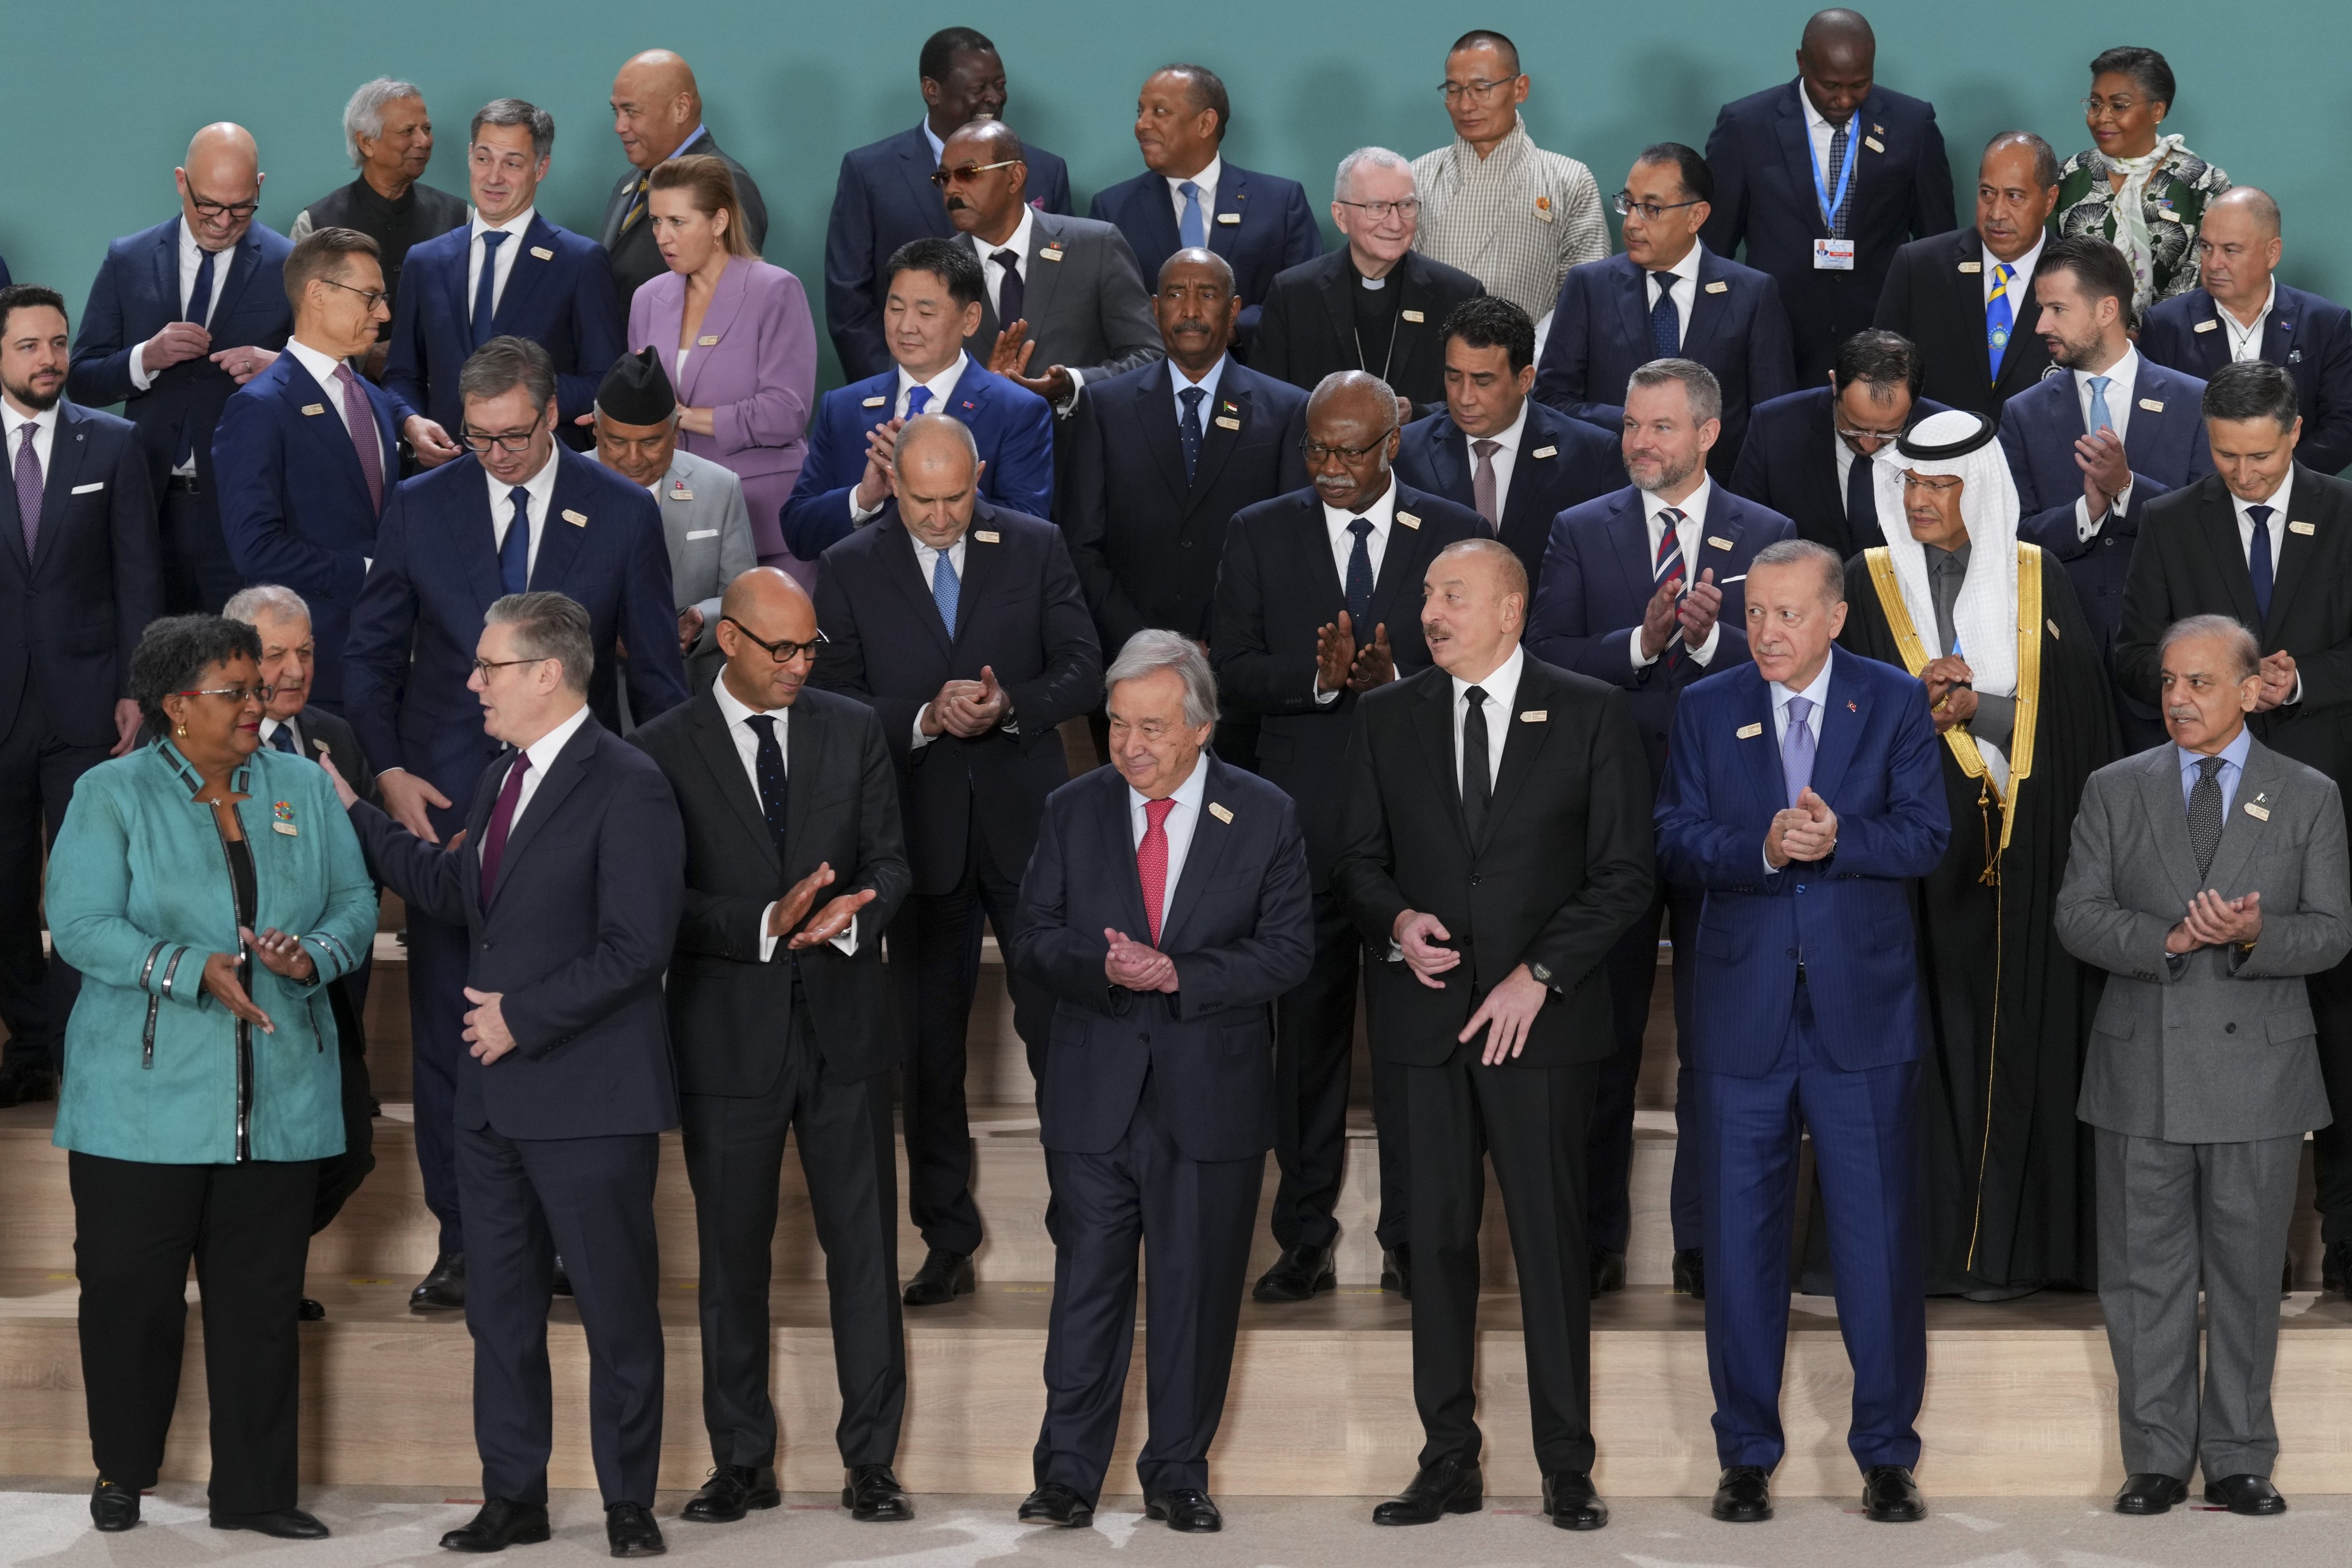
<point>1544,452</point>
<point>1874,144</point>
<point>1748,732</point>
<point>576,519</point>
<point>1227,422</point>
<point>987,535</point>
<point>874,402</point>
<point>1536,716</point>
<point>1543,210</point>
<point>2206,327</point>
<point>1720,287</point>
<point>313,408</point>
<point>2258,811</point>
<point>1229,217</point>
<point>1416,317</point>
<point>1715,543</point>
<point>283,812</point>
<point>2153,404</point>
<point>2303,528</point>
<point>1221,814</point>
<point>542,253</point>
<point>706,343</point>
<point>1972,267</point>
<point>1051,253</point>
<point>1407,519</point>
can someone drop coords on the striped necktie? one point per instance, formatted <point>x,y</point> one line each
<point>2000,317</point>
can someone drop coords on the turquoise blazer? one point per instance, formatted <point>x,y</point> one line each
<point>139,895</point>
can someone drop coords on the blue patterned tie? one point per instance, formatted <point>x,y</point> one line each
<point>1665,321</point>
<point>2100,419</point>
<point>485,287</point>
<point>917,399</point>
<point>1188,429</point>
<point>283,739</point>
<point>2258,559</point>
<point>1190,230</point>
<point>1796,748</point>
<point>514,550</point>
<point>945,587</point>
<point>200,299</point>
<point>2001,316</point>
<point>1360,580</point>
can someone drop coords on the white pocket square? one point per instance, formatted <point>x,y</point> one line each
<point>85,490</point>
<point>702,534</point>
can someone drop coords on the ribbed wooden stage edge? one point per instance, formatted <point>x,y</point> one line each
<point>2019,1397</point>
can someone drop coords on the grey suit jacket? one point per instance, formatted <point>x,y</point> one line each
<point>708,530</point>
<point>1088,311</point>
<point>633,255</point>
<point>2218,1048</point>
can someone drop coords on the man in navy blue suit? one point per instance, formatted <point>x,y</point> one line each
<point>1165,909</point>
<point>1823,178</point>
<point>1189,199</point>
<point>1804,790</point>
<point>1809,454</point>
<point>2098,438</point>
<point>1641,589</point>
<point>509,273</point>
<point>518,513</point>
<point>1494,450</point>
<point>885,197</point>
<point>79,580</point>
<point>931,306</point>
<point>2240,310</point>
<point>306,452</point>
<point>566,893</point>
<point>180,316</point>
<point>1667,296</point>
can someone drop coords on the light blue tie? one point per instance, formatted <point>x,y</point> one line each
<point>944,590</point>
<point>2100,419</point>
<point>1189,229</point>
<point>1796,748</point>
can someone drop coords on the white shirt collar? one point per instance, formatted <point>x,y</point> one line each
<point>733,709</point>
<point>1686,271</point>
<point>1501,685</point>
<point>1017,242</point>
<point>45,422</point>
<point>1814,118</point>
<point>542,486</point>
<point>942,385</point>
<point>1207,180</point>
<point>2122,377</point>
<point>270,728</point>
<point>322,367</point>
<point>1693,506</point>
<point>543,751</point>
<point>2270,303</point>
<point>1508,437</point>
<point>2020,271</point>
<point>2276,501</point>
<point>514,225</point>
<point>1379,514</point>
<point>1178,381</point>
<point>1188,794</point>
<point>1818,694</point>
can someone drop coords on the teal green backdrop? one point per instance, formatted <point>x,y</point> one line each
<point>104,94</point>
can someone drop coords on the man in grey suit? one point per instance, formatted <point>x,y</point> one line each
<point>1065,302</point>
<point>705,521</point>
<point>657,115</point>
<point>2207,876</point>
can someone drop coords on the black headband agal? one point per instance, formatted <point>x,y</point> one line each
<point>1984,435</point>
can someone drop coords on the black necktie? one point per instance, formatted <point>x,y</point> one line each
<point>1010,297</point>
<point>775,789</point>
<point>2258,559</point>
<point>1477,786</point>
<point>1861,506</point>
<point>2205,813</point>
<point>1188,430</point>
<point>1360,580</point>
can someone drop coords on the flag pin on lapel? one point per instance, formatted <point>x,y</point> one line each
<point>1851,708</point>
<point>1221,814</point>
<point>2257,810</point>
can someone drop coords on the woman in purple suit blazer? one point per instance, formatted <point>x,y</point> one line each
<point>735,335</point>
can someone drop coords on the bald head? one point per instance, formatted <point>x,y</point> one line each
<point>223,148</point>
<point>993,138</point>
<point>220,184</point>
<point>2258,206</point>
<point>936,472</point>
<point>1836,57</point>
<point>1839,28</point>
<point>2238,248</point>
<point>1351,395</point>
<point>759,596</point>
<point>655,106</point>
<point>761,610</point>
<point>931,437</point>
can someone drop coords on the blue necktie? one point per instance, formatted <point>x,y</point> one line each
<point>1188,429</point>
<point>2000,317</point>
<point>1360,580</point>
<point>2100,419</point>
<point>514,550</point>
<point>945,587</point>
<point>1665,321</point>
<point>200,299</point>
<point>775,789</point>
<point>486,288</point>
<point>1189,229</point>
<point>917,399</point>
<point>1861,506</point>
<point>2258,559</point>
<point>1796,748</point>
<point>284,741</point>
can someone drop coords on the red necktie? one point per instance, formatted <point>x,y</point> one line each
<point>1151,861</point>
<point>494,838</point>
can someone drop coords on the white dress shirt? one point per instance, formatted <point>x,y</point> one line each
<point>541,489</point>
<point>927,562</point>
<point>1684,274</point>
<point>2122,380</point>
<point>542,754</point>
<point>192,257</point>
<point>746,746</point>
<point>1206,180</point>
<point>942,387</point>
<point>322,368</point>
<point>1818,694</point>
<point>1505,458</point>
<point>1381,515</point>
<point>2277,502</point>
<point>1178,381</point>
<point>43,426</point>
<point>514,228</point>
<point>1178,828</point>
<point>1502,690</point>
<point>2022,310</point>
<point>1819,132</point>
<point>1691,533</point>
<point>1019,245</point>
<point>270,728</point>
<point>2246,342</point>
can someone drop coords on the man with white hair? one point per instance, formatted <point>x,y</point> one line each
<point>1375,304</point>
<point>2019,694</point>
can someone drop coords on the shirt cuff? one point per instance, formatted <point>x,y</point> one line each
<point>861,515</point>
<point>142,378</point>
<point>2296,695</point>
<point>1077,384</point>
<point>921,740</point>
<point>1641,659</point>
<point>1323,699</point>
<point>1705,652</point>
<point>2086,527</point>
<point>846,942</point>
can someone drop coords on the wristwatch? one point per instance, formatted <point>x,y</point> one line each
<point>1542,972</point>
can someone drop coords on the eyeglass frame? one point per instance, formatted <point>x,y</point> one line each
<point>1308,446</point>
<point>239,211</point>
<point>773,649</point>
<point>1844,434</point>
<point>505,441</point>
<point>374,297</point>
<point>964,173</point>
<point>240,695</point>
<point>1407,206</point>
<point>1937,484</point>
<point>2092,105</point>
<point>482,666</point>
<point>1651,212</point>
<point>1483,89</point>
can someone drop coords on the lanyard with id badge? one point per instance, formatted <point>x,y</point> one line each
<point>1833,255</point>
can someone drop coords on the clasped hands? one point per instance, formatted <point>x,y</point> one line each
<point>1805,831</point>
<point>1951,700</point>
<point>790,911</point>
<point>2278,681</point>
<point>1691,610</point>
<point>1010,358</point>
<point>1341,666</point>
<point>2213,920</point>
<point>968,708</point>
<point>181,340</point>
<point>1135,965</point>
<point>1510,1008</point>
<point>280,953</point>
<point>2107,469</point>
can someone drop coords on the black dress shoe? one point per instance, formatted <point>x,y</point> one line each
<point>23,1082</point>
<point>1446,1487</point>
<point>2335,1268</point>
<point>1571,1502</point>
<point>310,1311</point>
<point>1743,1495</point>
<point>2250,1495</point>
<point>560,1282</point>
<point>1055,1503</point>
<point>943,1276</point>
<point>873,1495</point>
<point>1690,1273</point>
<point>1301,1272</point>
<point>630,1531</point>
<point>499,1525</point>
<point>1890,1495</point>
<point>1396,1270</point>
<point>1608,1272</point>
<point>2147,1492</point>
<point>1187,1509</point>
<point>113,1507</point>
<point>732,1491</point>
<point>444,1288</point>
<point>285,1524</point>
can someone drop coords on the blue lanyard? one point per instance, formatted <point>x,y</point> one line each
<point>1845,176</point>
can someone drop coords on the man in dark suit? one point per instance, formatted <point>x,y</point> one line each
<point>1316,605</point>
<point>2092,446</point>
<point>509,273</point>
<point>886,197</point>
<point>1809,455</point>
<point>1641,589</point>
<point>2240,310</point>
<point>1823,178</point>
<point>1966,298</point>
<point>79,580</point>
<point>790,803</point>
<point>306,451</point>
<point>1495,845</point>
<point>1494,450</point>
<point>657,115</point>
<point>934,291</point>
<point>1165,908</point>
<point>1373,305</point>
<point>518,513</point>
<point>1189,199</point>
<point>568,889</point>
<point>964,626</point>
<point>180,316</point>
<point>1808,1012</point>
<point>2196,554</point>
<point>1667,297</point>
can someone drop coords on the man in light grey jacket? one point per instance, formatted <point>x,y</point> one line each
<point>2207,876</point>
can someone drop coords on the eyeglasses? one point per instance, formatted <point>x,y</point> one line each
<point>2093,108</point>
<point>240,211</point>
<point>965,174</point>
<point>783,652</point>
<point>482,666</point>
<point>1651,211</point>
<point>505,441</point>
<point>1455,91</point>
<point>374,297</point>
<point>1317,454</point>
<point>1913,481</point>
<point>238,696</point>
<point>1378,211</point>
<point>1867,435</point>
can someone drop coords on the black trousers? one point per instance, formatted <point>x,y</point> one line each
<point>591,1200</point>
<point>1314,1042</point>
<point>935,961</point>
<point>340,1177</point>
<point>1632,969</point>
<point>1191,1219</point>
<point>1533,1121</point>
<point>2331,1146</point>
<point>734,1158</point>
<point>198,575</point>
<point>38,774</point>
<point>248,1226</point>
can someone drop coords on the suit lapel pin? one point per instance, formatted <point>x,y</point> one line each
<point>705,343</point>
<point>1227,422</point>
<point>2305,528</point>
<point>576,519</point>
<point>1853,708</point>
<point>1719,286</point>
<point>968,403</point>
<point>1972,267</point>
<point>1715,542</point>
<point>1880,129</point>
<point>2205,326</point>
<point>986,535</point>
<point>2293,356</point>
<point>2054,629</point>
<point>1747,732</point>
<point>1874,144</point>
<point>1407,519</point>
<point>1536,716</point>
<point>1544,452</point>
<point>1416,317</point>
<point>1051,253</point>
<point>874,402</point>
<point>314,408</point>
<point>284,812</point>
<point>2258,811</point>
<point>1221,814</point>
<point>542,253</point>
<point>1543,209</point>
<point>2153,404</point>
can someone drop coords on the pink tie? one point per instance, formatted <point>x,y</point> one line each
<point>361,418</point>
<point>1151,861</point>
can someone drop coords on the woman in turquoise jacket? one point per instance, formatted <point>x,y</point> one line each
<point>207,889</point>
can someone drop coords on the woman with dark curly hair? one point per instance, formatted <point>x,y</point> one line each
<point>207,889</point>
<point>2141,192</point>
